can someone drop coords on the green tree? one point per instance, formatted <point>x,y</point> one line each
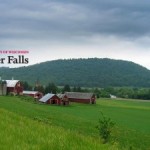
<point>26,86</point>
<point>74,89</point>
<point>79,89</point>
<point>97,92</point>
<point>104,93</point>
<point>66,88</point>
<point>39,88</point>
<point>51,88</point>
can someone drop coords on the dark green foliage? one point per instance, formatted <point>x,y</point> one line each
<point>104,93</point>
<point>79,89</point>
<point>51,88</point>
<point>39,88</point>
<point>105,127</point>
<point>66,88</point>
<point>26,86</point>
<point>84,72</point>
<point>132,93</point>
<point>74,89</point>
<point>97,92</point>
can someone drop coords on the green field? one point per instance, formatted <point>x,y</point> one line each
<point>28,125</point>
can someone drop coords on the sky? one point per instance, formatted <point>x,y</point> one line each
<point>64,29</point>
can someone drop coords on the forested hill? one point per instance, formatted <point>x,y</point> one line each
<point>82,72</point>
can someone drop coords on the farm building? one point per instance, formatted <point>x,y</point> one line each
<point>64,99</point>
<point>113,96</point>
<point>34,94</point>
<point>88,98</point>
<point>14,87</point>
<point>3,88</point>
<point>50,99</point>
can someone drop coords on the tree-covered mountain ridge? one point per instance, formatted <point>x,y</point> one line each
<point>91,72</point>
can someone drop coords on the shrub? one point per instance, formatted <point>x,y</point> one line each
<point>105,127</point>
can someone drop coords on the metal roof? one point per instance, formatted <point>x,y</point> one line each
<point>61,95</point>
<point>79,95</point>
<point>30,92</point>
<point>46,97</point>
<point>11,83</point>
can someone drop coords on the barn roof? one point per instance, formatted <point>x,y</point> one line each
<point>30,92</point>
<point>61,95</point>
<point>79,95</point>
<point>46,97</point>
<point>11,83</point>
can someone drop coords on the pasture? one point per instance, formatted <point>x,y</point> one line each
<point>41,126</point>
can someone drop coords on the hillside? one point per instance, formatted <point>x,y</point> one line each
<point>82,72</point>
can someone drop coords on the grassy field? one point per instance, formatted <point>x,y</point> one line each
<point>28,125</point>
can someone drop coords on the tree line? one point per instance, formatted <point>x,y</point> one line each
<point>52,88</point>
<point>124,92</point>
<point>120,92</point>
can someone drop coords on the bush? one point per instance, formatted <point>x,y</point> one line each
<point>105,127</point>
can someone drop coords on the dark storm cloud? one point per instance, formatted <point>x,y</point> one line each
<point>54,19</point>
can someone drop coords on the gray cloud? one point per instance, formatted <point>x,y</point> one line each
<point>77,28</point>
<point>56,19</point>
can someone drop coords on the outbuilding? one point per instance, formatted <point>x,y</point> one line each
<point>64,99</point>
<point>14,86</point>
<point>50,99</point>
<point>34,94</point>
<point>87,98</point>
<point>113,96</point>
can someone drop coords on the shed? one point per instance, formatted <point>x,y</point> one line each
<point>14,86</point>
<point>113,96</point>
<point>88,98</point>
<point>64,99</point>
<point>50,99</point>
<point>34,94</point>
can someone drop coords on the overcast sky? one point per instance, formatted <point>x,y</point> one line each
<point>58,29</point>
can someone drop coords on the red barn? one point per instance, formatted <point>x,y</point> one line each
<point>64,99</point>
<point>34,94</point>
<point>50,99</point>
<point>14,87</point>
<point>88,98</point>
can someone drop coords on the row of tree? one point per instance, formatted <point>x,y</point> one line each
<point>52,88</point>
<point>125,92</point>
